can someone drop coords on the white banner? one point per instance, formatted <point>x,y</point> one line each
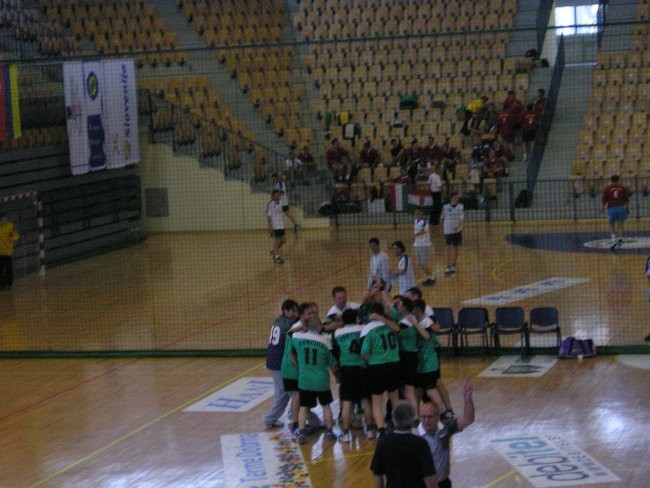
<point>525,291</point>
<point>516,366</point>
<point>120,116</point>
<point>102,117</point>
<point>92,108</point>
<point>73,90</point>
<point>549,460</point>
<point>239,396</point>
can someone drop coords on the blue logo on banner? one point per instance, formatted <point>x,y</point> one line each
<point>97,158</point>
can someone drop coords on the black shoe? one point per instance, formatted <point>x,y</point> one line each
<point>647,338</point>
<point>429,282</point>
<point>296,227</point>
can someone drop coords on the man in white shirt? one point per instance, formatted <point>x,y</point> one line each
<point>341,304</point>
<point>435,186</point>
<point>379,265</point>
<point>275,220</point>
<point>404,273</point>
<point>294,167</point>
<point>453,216</point>
<point>422,246</point>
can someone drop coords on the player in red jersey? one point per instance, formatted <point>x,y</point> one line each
<point>615,203</point>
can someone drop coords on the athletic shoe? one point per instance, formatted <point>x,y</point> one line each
<point>619,243</point>
<point>301,437</point>
<point>381,432</point>
<point>429,282</point>
<point>613,246</point>
<point>330,436</point>
<point>278,260</point>
<point>453,268</point>
<point>647,338</point>
<point>449,270</point>
<point>346,436</point>
<point>295,429</point>
<point>371,433</point>
<point>297,227</point>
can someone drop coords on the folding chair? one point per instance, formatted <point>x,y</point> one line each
<point>544,320</point>
<point>509,321</point>
<point>472,321</point>
<point>445,319</point>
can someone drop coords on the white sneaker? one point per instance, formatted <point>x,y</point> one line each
<point>345,436</point>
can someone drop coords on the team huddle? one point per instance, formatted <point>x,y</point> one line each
<point>382,347</point>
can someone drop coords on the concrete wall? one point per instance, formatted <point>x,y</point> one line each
<point>200,199</point>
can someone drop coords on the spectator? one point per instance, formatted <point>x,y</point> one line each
<point>431,153</point>
<point>539,102</point>
<point>529,123</point>
<point>402,177</point>
<point>475,176</point>
<point>400,457</point>
<point>308,163</point>
<point>512,104</point>
<point>397,153</point>
<point>293,167</point>
<point>493,165</point>
<point>336,156</point>
<point>506,127</point>
<point>8,237</point>
<point>369,156</point>
<point>471,108</point>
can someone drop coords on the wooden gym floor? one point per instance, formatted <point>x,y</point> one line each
<point>111,422</point>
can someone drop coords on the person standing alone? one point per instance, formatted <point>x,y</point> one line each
<point>615,203</point>
<point>8,237</point>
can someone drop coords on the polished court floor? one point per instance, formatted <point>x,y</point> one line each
<point>120,422</point>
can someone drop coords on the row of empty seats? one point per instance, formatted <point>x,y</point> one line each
<point>47,136</point>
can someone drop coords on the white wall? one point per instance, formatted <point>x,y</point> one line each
<point>200,198</point>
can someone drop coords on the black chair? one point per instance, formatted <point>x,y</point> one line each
<point>544,320</point>
<point>445,320</point>
<point>510,321</point>
<point>472,321</point>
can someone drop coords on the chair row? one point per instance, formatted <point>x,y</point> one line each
<point>474,321</point>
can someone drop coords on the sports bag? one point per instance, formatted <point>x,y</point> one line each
<point>577,348</point>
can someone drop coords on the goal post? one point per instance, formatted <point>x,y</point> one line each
<point>25,211</point>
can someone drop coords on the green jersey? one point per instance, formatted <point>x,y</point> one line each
<point>288,369</point>
<point>348,340</point>
<point>408,336</point>
<point>379,343</point>
<point>427,355</point>
<point>314,354</point>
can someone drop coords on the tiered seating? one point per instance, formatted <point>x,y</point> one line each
<point>25,25</point>
<point>613,138</point>
<point>264,74</point>
<point>198,106</point>
<point>47,136</point>
<point>117,27</point>
<point>368,77</point>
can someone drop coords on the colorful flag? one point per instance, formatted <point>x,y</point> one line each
<point>9,103</point>
<point>398,196</point>
<point>419,197</point>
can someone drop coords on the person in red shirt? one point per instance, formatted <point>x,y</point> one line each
<point>308,163</point>
<point>615,203</point>
<point>336,156</point>
<point>369,156</point>
<point>506,128</point>
<point>529,122</point>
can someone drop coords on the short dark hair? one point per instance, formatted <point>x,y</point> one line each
<point>419,304</point>
<point>373,240</point>
<point>614,178</point>
<point>289,305</point>
<point>399,245</point>
<point>350,316</point>
<point>338,289</point>
<point>377,308</point>
<point>304,306</point>
<point>416,291</point>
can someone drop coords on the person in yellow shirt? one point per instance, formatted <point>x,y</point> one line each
<point>8,236</point>
<point>473,107</point>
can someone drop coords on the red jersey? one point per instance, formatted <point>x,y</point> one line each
<point>529,121</point>
<point>506,123</point>
<point>614,195</point>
